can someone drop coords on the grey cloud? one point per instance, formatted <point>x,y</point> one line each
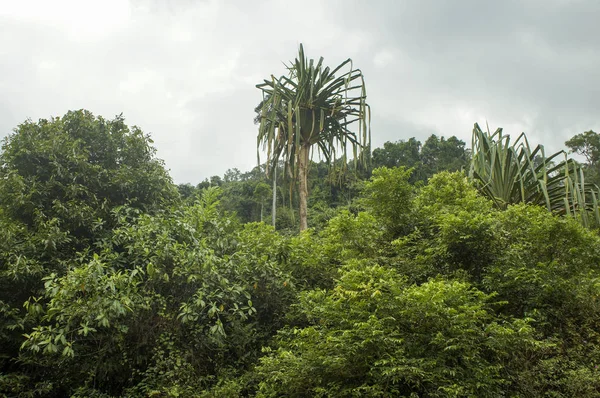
<point>185,71</point>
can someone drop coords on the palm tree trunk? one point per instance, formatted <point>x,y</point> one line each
<point>303,181</point>
<point>274,211</point>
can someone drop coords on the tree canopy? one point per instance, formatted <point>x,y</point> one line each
<point>75,169</point>
<point>587,144</point>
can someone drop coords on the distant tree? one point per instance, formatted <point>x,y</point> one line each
<point>232,175</point>
<point>186,190</point>
<point>587,144</point>
<point>262,192</point>
<point>399,153</point>
<point>239,198</point>
<point>439,154</point>
<point>216,181</point>
<point>312,109</point>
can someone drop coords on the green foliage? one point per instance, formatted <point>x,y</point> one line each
<point>450,192</point>
<point>349,237</point>
<point>374,335</point>
<point>308,263</point>
<point>246,194</point>
<point>60,182</point>
<point>170,299</point>
<point>548,269</point>
<point>111,285</point>
<point>513,173</point>
<point>440,154</point>
<point>545,264</point>
<point>542,267</point>
<point>437,154</point>
<point>454,232</point>
<point>75,169</point>
<point>388,196</point>
<point>314,259</point>
<point>396,154</point>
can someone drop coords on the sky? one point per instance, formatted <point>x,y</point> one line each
<point>185,71</point>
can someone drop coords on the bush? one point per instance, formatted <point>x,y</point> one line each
<point>374,335</point>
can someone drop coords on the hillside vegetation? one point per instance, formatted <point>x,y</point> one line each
<point>414,279</point>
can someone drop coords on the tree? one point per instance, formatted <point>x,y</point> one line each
<point>587,144</point>
<point>64,185</point>
<point>388,195</point>
<point>375,335</point>
<point>437,154</point>
<point>169,301</point>
<point>76,169</point>
<point>312,109</point>
<point>400,153</point>
<point>262,192</point>
<point>440,154</point>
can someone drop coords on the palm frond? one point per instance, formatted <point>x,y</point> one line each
<point>313,107</point>
<point>514,173</point>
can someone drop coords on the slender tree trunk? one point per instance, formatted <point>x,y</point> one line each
<point>261,211</point>
<point>274,211</point>
<point>303,191</point>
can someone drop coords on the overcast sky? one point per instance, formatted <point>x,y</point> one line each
<point>185,71</point>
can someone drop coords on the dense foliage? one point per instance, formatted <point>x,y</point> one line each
<point>329,188</point>
<point>114,282</point>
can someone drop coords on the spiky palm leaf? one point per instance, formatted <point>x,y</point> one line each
<point>513,173</point>
<point>313,107</point>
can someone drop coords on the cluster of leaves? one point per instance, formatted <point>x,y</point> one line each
<point>514,173</point>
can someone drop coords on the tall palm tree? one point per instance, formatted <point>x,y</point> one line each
<point>311,109</point>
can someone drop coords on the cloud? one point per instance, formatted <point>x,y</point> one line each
<point>185,71</point>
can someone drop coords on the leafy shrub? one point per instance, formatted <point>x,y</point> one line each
<point>388,196</point>
<point>374,335</point>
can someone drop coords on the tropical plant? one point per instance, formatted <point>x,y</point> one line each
<point>312,109</point>
<point>510,173</point>
<point>169,300</point>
